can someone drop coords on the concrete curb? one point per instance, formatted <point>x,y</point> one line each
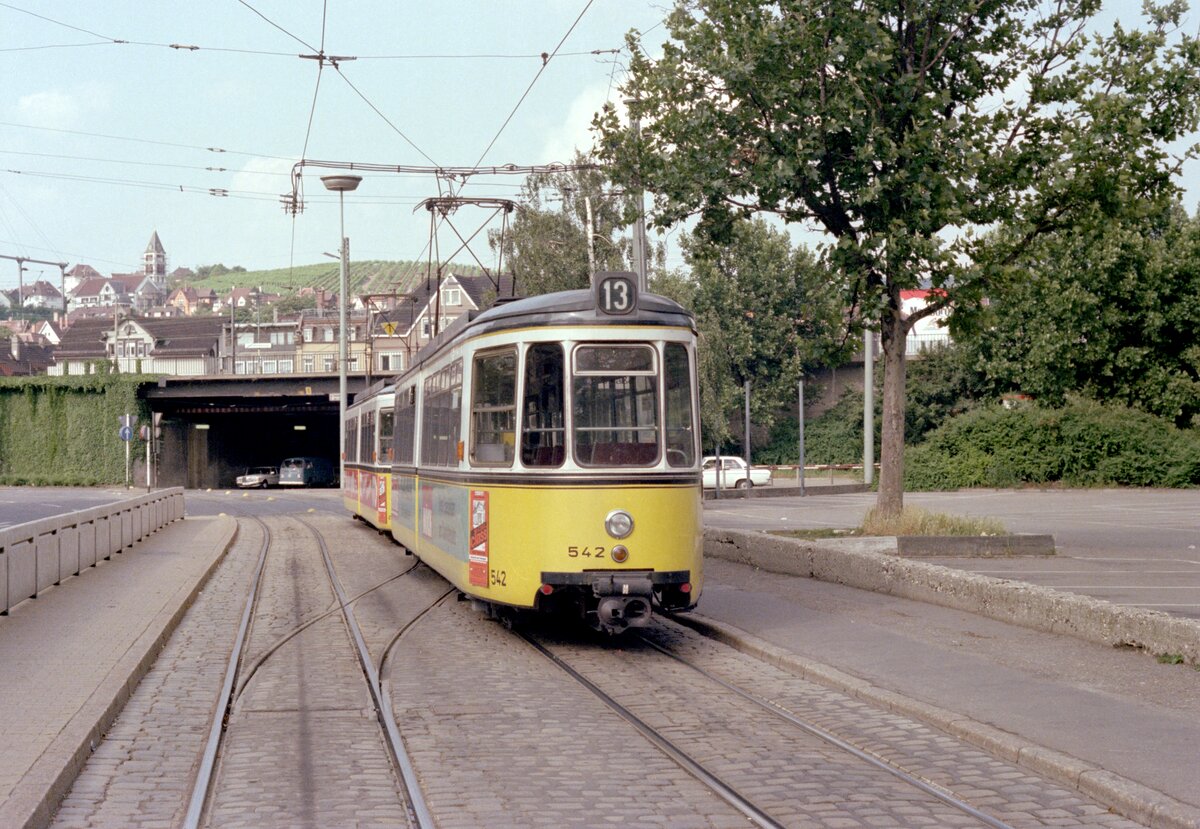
<point>784,491</point>
<point>1126,797</point>
<point>36,797</point>
<point>1040,608</point>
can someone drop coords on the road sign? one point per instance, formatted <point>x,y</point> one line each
<point>126,432</point>
<point>128,419</point>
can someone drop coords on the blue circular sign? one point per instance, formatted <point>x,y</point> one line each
<point>126,432</point>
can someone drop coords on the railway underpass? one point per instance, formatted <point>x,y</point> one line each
<point>212,428</point>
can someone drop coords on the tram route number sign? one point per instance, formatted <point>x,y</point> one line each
<point>616,292</point>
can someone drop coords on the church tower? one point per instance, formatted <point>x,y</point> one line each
<point>154,261</point>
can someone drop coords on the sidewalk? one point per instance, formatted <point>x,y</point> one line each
<point>71,657</point>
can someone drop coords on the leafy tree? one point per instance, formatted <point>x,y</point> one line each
<point>1111,312</point>
<point>762,318</point>
<point>546,245</point>
<point>897,128</point>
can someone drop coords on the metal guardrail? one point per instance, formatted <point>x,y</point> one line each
<point>39,554</point>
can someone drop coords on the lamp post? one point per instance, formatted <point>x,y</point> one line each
<point>342,185</point>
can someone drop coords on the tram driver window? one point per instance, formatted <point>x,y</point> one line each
<point>494,408</point>
<point>543,435</point>
<point>677,389</point>
<point>615,405</point>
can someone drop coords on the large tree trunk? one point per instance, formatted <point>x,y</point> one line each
<point>891,455</point>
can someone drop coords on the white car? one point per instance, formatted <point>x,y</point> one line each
<point>734,474</point>
<point>259,477</point>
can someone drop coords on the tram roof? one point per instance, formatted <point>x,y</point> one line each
<point>579,308</point>
<point>561,308</point>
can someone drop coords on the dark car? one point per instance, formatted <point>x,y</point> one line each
<point>306,471</point>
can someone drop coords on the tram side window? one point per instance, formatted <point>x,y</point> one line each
<point>442,416</point>
<point>406,425</point>
<point>494,408</point>
<point>351,450</point>
<point>366,438</point>
<point>677,390</point>
<point>386,426</point>
<point>615,405</point>
<point>543,434</point>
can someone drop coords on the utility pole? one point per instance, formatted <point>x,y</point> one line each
<point>21,260</point>
<point>868,407</point>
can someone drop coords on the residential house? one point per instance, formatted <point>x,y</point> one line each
<point>317,348</point>
<point>179,347</point>
<point>99,292</point>
<point>41,294</point>
<point>79,274</point>
<point>186,299</point>
<point>24,356</point>
<point>400,329</point>
<point>261,347</point>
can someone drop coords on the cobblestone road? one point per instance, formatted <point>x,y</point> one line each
<point>498,735</point>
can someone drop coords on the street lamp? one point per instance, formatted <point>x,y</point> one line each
<point>342,185</point>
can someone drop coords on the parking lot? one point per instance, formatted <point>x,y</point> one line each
<point>1128,546</point>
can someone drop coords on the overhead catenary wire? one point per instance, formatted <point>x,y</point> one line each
<point>546,58</point>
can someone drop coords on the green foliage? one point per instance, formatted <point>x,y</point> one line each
<point>1111,312</point>
<point>1082,444</point>
<point>546,246</point>
<point>762,318</point>
<point>899,129</point>
<point>62,431</point>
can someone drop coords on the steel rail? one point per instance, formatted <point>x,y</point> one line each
<point>828,737</point>
<point>216,730</point>
<point>408,774</point>
<point>722,789</point>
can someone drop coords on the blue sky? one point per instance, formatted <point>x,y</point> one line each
<point>110,139</point>
<point>84,197</point>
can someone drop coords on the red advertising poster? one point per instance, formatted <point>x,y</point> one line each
<point>477,565</point>
<point>381,498</point>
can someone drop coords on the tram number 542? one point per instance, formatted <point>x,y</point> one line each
<point>616,293</point>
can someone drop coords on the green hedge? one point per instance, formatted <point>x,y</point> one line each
<point>1081,444</point>
<point>62,431</point>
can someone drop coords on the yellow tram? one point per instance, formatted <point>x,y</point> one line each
<point>545,455</point>
<point>366,479</point>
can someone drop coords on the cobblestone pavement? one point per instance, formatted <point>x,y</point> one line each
<point>141,775</point>
<point>803,781</point>
<point>303,746</point>
<point>498,735</point>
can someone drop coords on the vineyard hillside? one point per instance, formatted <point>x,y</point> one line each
<point>371,276</point>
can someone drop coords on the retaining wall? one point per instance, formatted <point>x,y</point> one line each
<point>39,554</point>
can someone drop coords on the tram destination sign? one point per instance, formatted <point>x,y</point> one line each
<point>616,292</point>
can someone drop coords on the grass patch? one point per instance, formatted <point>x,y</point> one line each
<point>916,521</point>
<point>912,521</point>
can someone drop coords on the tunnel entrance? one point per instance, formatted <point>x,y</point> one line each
<point>211,432</point>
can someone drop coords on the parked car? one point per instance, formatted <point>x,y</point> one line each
<point>305,471</point>
<point>259,477</point>
<point>734,473</point>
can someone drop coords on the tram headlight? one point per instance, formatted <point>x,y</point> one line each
<point>619,523</point>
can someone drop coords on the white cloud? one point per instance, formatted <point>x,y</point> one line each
<point>575,130</point>
<point>263,175</point>
<point>59,109</point>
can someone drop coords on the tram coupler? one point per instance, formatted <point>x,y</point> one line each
<point>624,600</point>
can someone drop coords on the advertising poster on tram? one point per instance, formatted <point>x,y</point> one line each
<point>478,553</point>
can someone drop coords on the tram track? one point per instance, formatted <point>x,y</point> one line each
<point>239,673</point>
<point>759,813</point>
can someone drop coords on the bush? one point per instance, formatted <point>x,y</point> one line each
<point>1082,444</point>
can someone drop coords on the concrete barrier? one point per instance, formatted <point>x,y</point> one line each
<point>39,554</point>
<point>1041,608</point>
